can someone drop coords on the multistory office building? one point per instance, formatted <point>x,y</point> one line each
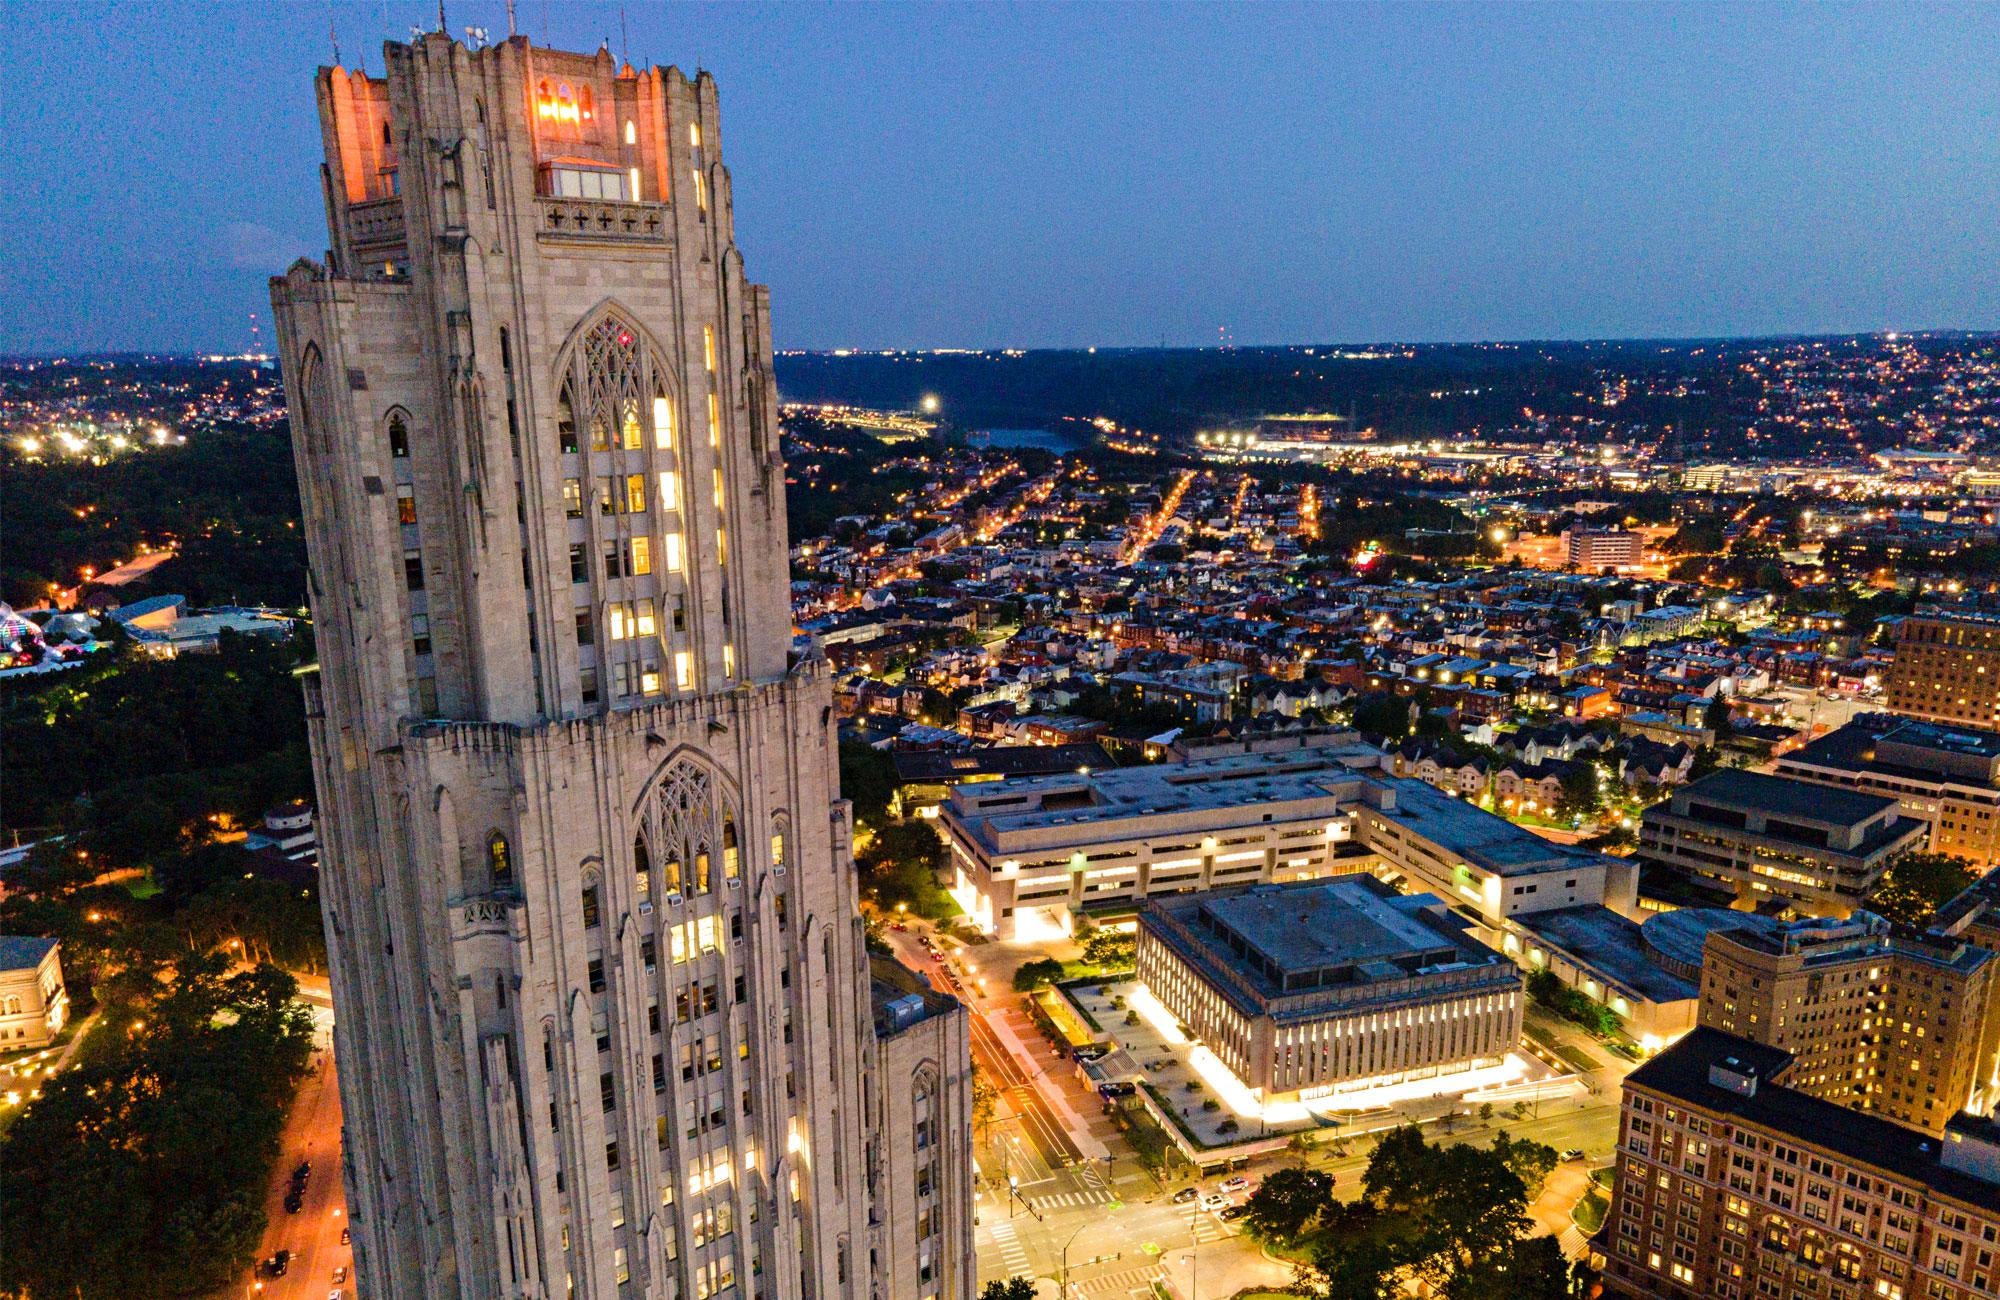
<point>1947,668</point>
<point>1733,1184</point>
<point>1945,775</point>
<point>1896,1022</point>
<point>605,1022</point>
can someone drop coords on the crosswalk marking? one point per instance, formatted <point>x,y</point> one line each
<point>1066,1200</point>
<point>1011,1254</point>
<point>1124,1281</point>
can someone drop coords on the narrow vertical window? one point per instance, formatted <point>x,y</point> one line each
<point>708,347</point>
<point>670,490</point>
<point>714,421</point>
<point>500,862</point>
<point>670,552</point>
<point>718,486</point>
<point>683,670</point>
<point>663,424</point>
<point>399,437</point>
<point>635,493</point>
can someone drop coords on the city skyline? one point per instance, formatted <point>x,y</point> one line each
<point>1042,180</point>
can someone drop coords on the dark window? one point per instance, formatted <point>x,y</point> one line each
<point>413,570</point>
<point>579,563</point>
<point>606,1091</point>
<point>586,631</point>
<point>590,910</point>
<point>399,437</point>
<point>597,974</point>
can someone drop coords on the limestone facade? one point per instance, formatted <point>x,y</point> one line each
<point>603,1012</point>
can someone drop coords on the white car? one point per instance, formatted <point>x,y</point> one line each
<point>1214,1201</point>
<point>1235,1184</point>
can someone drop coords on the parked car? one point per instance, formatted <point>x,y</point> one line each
<point>339,1273</point>
<point>1231,1213</point>
<point>279,1264</point>
<point>1574,1153</point>
<point>1236,1184</point>
<point>303,1171</point>
<point>1184,1195</point>
<point>1214,1201</point>
<point>294,1201</point>
<point>346,1236</point>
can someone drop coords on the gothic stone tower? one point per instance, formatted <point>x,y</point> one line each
<point>606,1027</point>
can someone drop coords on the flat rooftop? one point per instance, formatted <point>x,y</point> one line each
<point>1853,747</point>
<point>1489,842</point>
<point>1856,1136</point>
<point>1785,797</point>
<point>1241,784</point>
<point>1605,942</point>
<point>998,761</point>
<point>1305,937</point>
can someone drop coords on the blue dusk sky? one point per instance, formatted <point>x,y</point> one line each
<point>1065,175</point>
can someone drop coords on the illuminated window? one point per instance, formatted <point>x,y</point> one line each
<point>406,504</point>
<point>722,546</point>
<point>683,670</point>
<point>642,556</point>
<point>572,491</point>
<point>602,183</point>
<point>718,488</point>
<point>643,619</point>
<point>714,421</point>
<point>728,660</point>
<point>631,131</point>
<point>649,680</point>
<point>635,493</point>
<point>618,618</point>
<point>663,424</point>
<point>632,180</point>
<point>694,134</point>
<point>670,553</point>
<point>700,191</point>
<point>631,436</point>
<point>670,490</point>
<point>708,347</point>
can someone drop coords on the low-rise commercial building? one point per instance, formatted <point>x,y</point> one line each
<point>1734,1184</point>
<point>1307,990</point>
<point>34,1003</point>
<point>1894,1022</point>
<point>1821,850</point>
<point>1485,863</point>
<point>1030,856</point>
<point>1947,777</point>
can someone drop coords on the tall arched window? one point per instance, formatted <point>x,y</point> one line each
<point>642,869</point>
<point>680,825</point>
<point>732,866</point>
<point>500,862</point>
<point>399,436</point>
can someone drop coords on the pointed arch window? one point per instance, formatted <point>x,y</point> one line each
<point>566,419</point>
<point>732,866</point>
<point>399,436</point>
<point>642,870</point>
<point>499,862</point>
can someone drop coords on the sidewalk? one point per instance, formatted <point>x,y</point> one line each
<point>1087,1143</point>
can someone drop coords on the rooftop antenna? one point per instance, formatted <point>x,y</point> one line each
<point>624,41</point>
<point>510,19</point>
<point>441,27</point>
<point>333,34</point>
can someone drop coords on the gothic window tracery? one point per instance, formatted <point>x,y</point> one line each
<point>683,825</point>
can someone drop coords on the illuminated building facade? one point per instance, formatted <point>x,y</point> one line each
<point>605,1021</point>
<point>1308,990</point>
<point>1947,669</point>
<point>1895,1023</point>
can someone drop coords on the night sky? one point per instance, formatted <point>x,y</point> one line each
<point>986,175</point>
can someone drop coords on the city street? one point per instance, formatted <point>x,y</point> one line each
<point>312,1132</point>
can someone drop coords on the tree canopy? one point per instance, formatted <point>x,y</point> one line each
<point>142,1170</point>
<point>1916,885</point>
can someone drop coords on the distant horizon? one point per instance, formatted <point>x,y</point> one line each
<point>1933,332</point>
